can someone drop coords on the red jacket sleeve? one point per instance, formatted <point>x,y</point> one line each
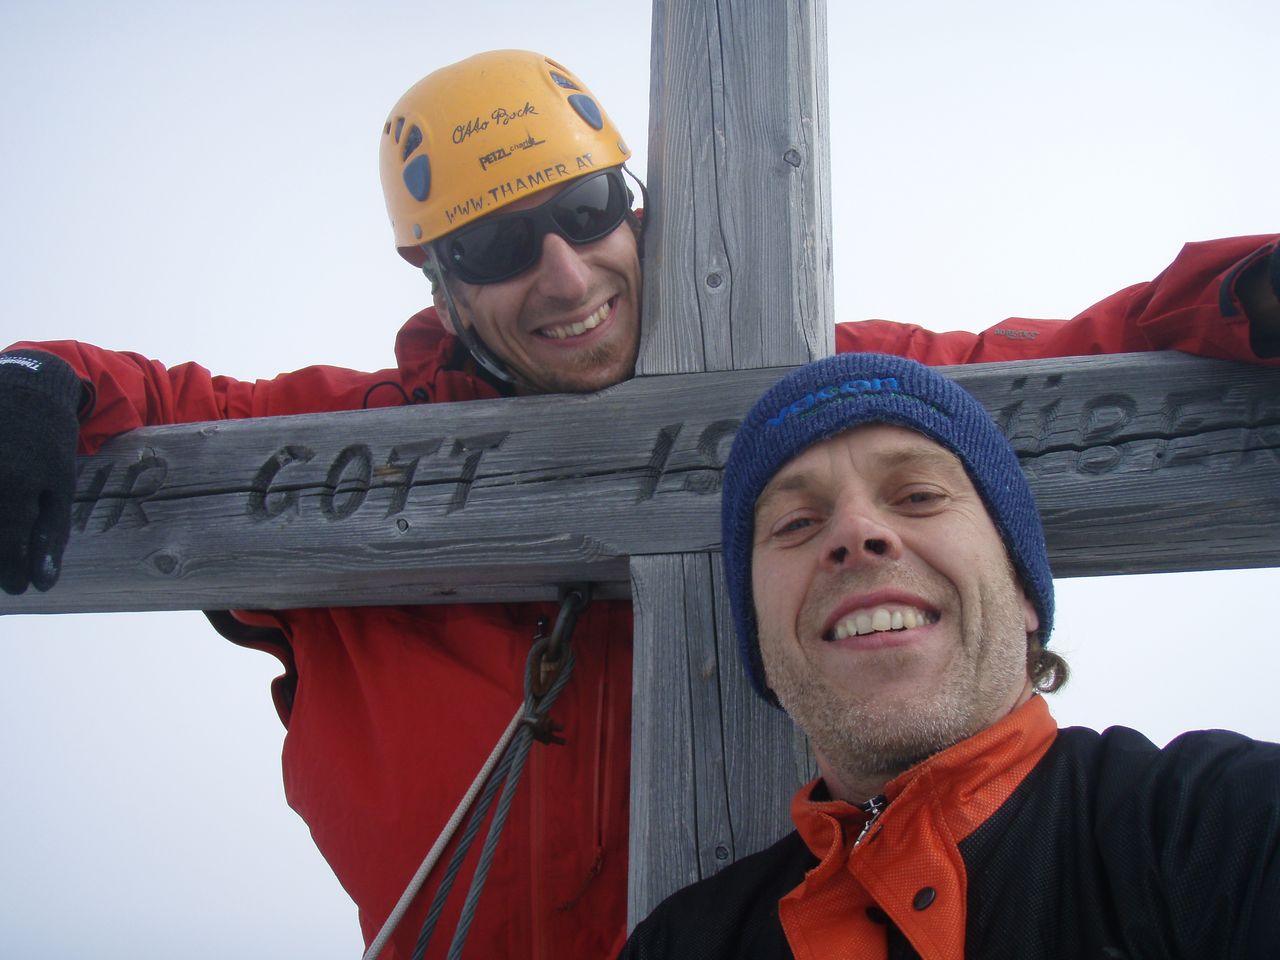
<point>127,390</point>
<point>1192,306</point>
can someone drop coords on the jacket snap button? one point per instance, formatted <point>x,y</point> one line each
<point>924,897</point>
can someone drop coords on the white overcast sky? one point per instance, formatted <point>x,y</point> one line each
<point>199,181</point>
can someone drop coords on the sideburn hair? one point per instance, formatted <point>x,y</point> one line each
<point>1048,671</point>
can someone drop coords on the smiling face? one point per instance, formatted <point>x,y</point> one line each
<point>891,622</point>
<point>568,324</point>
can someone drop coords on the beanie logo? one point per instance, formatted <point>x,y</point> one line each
<point>28,362</point>
<point>833,392</point>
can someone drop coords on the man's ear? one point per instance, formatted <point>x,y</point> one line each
<point>439,299</point>
<point>1030,618</point>
<point>442,310</point>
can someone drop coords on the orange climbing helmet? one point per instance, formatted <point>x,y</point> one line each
<point>479,134</point>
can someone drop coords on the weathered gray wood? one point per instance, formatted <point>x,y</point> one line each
<point>738,246</point>
<point>737,277</point>
<point>682,746</point>
<point>664,834</point>
<point>712,818</point>
<point>768,748</point>
<point>1141,463</point>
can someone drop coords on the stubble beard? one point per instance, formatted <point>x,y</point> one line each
<point>876,741</point>
<point>586,371</point>
<point>584,374</point>
<point>862,742</point>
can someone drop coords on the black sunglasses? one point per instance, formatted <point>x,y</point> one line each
<point>502,245</point>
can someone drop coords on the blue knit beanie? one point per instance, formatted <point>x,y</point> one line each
<point>827,397</point>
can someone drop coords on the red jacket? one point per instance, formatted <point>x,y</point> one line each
<point>391,710</point>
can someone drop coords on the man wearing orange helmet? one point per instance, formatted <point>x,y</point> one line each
<point>503,178</point>
<point>524,169</point>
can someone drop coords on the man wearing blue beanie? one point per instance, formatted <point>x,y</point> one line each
<point>890,586</point>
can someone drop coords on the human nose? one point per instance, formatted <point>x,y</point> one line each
<point>562,273</point>
<point>858,535</point>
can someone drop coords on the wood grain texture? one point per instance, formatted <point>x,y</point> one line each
<point>737,278</point>
<point>709,759</point>
<point>738,245</point>
<point>664,834</point>
<point>1140,463</point>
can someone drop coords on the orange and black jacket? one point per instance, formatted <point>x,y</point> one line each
<point>1023,841</point>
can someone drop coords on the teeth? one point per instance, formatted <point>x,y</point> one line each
<point>579,328</point>
<point>878,620</point>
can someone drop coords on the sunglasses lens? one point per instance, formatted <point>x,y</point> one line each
<point>489,251</point>
<point>591,209</point>
<point>493,250</point>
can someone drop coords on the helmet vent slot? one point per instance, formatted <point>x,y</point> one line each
<point>563,81</point>
<point>412,142</point>
<point>417,177</point>
<point>587,110</point>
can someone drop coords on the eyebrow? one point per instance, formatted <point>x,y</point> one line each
<point>775,487</point>
<point>931,456</point>
<point>934,457</point>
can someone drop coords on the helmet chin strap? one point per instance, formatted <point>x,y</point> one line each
<point>475,346</point>
<point>644,206</point>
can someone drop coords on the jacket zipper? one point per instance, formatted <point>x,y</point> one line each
<point>872,808</point>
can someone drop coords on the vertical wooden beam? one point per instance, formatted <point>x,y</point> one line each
<point>737,276</point>
<point>738,241</point>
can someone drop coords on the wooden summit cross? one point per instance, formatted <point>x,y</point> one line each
<point>1140,463</point>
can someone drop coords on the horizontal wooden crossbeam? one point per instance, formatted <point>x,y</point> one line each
<point>1141,463</point>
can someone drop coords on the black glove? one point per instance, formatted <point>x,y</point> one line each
<point>39,395</point>
<point>1259,292</point>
